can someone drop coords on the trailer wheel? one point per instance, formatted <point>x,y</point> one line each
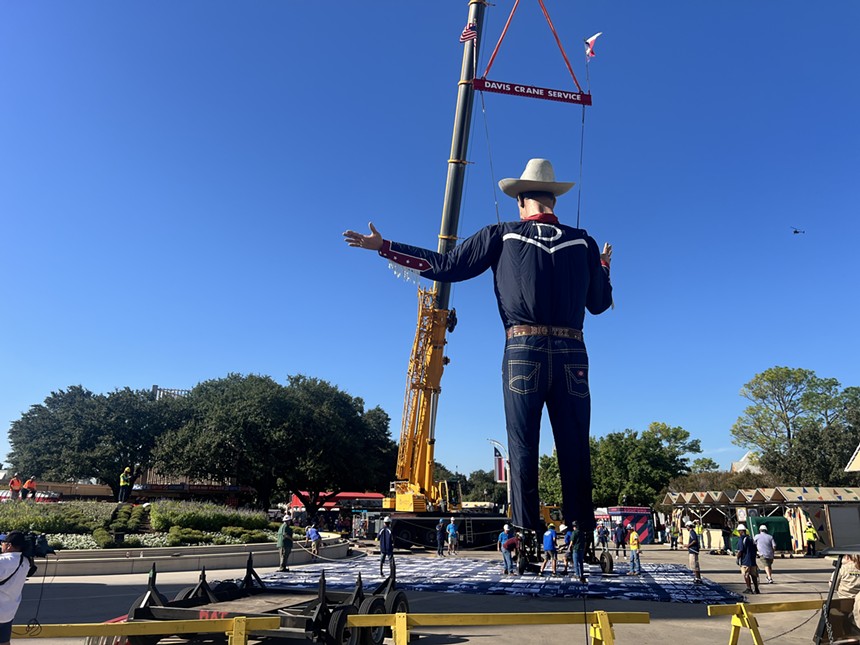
<point>396,603</point>
<point>226,590</point>
<point>522,563</point>
<point>403,536</point>
<point>339,632</point>
<point>607,564</point>
<point>184,594</point>
<point>144,640</point>
<point>373,605</point>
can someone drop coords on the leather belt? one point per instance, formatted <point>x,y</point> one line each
<point>543,330</point>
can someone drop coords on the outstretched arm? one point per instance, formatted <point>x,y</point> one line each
<point>372,242</point>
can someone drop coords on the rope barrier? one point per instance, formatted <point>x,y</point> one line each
<point>320,557</point>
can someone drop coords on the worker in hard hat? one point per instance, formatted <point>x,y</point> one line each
<point>124,484</point>
<point>747,559</point>
<point>15,486</point>
<point>453,537</point>
<point>550,550</point>
<point>386,546</point>
<point>507,561</point>
<point>810,536</point>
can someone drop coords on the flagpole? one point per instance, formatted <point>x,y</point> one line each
<point>504,454</point>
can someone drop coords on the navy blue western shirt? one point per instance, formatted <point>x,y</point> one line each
<point>544,274</point>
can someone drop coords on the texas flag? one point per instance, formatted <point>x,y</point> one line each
<point>589,44</point>
<point>500,472</point>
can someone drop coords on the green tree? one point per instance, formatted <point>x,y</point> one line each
<point>549,480</point>
<point>333,444</point>
<point>799,427</point>
<point>483,488</point>
<point>769,425</point>
<point>130,424</point>
<point>235,434</point>
<point>704,465</point>
<point>42,438</point>
<point>76,434</point>
<point>633,469</point>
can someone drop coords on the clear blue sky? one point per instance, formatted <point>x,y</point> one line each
<point>175,178</point>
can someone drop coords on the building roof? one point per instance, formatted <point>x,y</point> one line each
<point>752,496</point>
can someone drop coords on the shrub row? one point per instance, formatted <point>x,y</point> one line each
<point>203,517</point>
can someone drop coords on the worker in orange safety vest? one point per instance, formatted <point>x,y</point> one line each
<point>15,487</point>
<point>29,489</point>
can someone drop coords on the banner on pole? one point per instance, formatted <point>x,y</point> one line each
<point>501,472</point>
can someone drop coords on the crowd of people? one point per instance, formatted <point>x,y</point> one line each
<point>564,549</point>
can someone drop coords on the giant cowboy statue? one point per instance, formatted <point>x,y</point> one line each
<point>546,275</point>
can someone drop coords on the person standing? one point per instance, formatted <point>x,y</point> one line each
<point>765,545</point>
<point>29,490</point>
<point>746,560</point>
<point>811,537</point>
<point>619,536</point>
<point>635,561</point>
<point>440,538</point>
<point>726,532</point>
<point>700,531</point>
<point>452,537</point>
<point>504,536</point>
<point>577,552</point>
<point>602,536</point>
<point>15,486</point>
<point>13,572</point>
<point>674,534</point>
<point>386,546</point>
<point>124,484</point>
<point>546,275</point>
<point>550,549</point>
<point>693,546</point>
<point>566,535</point>
<point>285,543</point>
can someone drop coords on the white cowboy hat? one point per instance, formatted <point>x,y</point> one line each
<point>538,176</point>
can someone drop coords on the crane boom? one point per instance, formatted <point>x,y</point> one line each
<point>415,489</point>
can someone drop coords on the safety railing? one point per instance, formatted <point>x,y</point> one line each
<point>743,615</point>
<point>236,629</point>
<point>600,622</point>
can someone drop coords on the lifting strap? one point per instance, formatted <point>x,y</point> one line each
<point>554,33</point>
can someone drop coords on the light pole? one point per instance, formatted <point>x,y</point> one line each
<point>504,453</point>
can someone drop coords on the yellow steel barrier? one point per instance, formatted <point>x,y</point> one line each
<point>742,615</point>
<point>600,622</point>
<point>237,629</point>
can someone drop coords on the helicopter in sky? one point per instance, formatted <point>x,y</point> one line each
<point>796,231</point>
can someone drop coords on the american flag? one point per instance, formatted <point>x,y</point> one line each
<point>469,32</point>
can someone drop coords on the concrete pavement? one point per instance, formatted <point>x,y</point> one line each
<point>98,598</point>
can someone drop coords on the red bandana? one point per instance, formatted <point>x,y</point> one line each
<point>545,218</point>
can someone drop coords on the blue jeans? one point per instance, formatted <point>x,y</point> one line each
<point>539,370</point>
<point>509,561</point>
<point>578,561</point>
<point>635,564</point>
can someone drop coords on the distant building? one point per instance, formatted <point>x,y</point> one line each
<point>162,392</point>
<point>746,465</point>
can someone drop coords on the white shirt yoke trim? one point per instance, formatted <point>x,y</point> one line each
<point>528,240</point>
